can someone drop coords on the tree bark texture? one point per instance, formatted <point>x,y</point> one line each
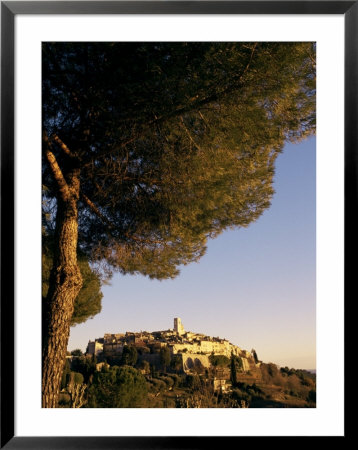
<point>65,284</point>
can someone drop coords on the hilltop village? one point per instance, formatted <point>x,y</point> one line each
<point>176,368</point>
<point>192,351</point>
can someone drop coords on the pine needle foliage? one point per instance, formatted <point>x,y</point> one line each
<point>175,142</point>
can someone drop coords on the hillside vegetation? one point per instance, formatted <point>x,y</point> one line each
<point>131,382</point>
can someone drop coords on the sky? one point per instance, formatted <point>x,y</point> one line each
<point>255,286</point>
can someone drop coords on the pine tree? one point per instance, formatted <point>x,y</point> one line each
<point>88,302</point>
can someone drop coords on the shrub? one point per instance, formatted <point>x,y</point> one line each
<point>167,380</point>
<point>294,383</point>
<point>192,381</point>
<point>78,378</point>
<point>143,365</point>
<point>238,395</point>
<point>176,379</point>
<point>311,396</point>
<point>143,350</point>
<point>176,363</point>
<point>114,360</point>
<point>122,387</point>
<point>256,389</point>
<point>159,385</point>
<point>85,366</point>
<point>219,360</point>
<point>64,400</point>
<point>66,371</point>
<point>272,375</point>
<point>165,357</point>
<point>150,386</point>
<point>75,378</point>
<point>129,355</point>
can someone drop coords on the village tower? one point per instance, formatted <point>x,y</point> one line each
<point>178,326</point>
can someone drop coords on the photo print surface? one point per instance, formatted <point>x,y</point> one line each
<point>178,224</point>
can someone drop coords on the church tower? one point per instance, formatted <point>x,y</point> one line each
<point>178,326</point>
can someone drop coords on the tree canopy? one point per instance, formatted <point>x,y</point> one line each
<point>175,141</point>
<point>117,387</point>
<point>129,355</point>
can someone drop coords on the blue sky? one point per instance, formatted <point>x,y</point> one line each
<point>255,287</point>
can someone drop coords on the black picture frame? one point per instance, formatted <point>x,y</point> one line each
<point>9,9</point>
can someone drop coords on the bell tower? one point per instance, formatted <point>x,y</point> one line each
<point>178,326</point>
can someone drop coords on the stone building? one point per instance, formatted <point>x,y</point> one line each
<point>178,326</point>
<point>191,348</point>
<point>95,347</point>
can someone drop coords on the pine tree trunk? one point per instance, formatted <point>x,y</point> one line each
<point>65,284</point>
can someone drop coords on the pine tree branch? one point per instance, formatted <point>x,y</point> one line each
<point>236,83</point>
<point>56,170</point>
<point>63,146</point>
<point>94,208</point>
<point>111,225</point>
<point>188,133</point>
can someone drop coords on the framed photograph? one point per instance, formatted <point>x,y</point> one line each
<point>139,138</point>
